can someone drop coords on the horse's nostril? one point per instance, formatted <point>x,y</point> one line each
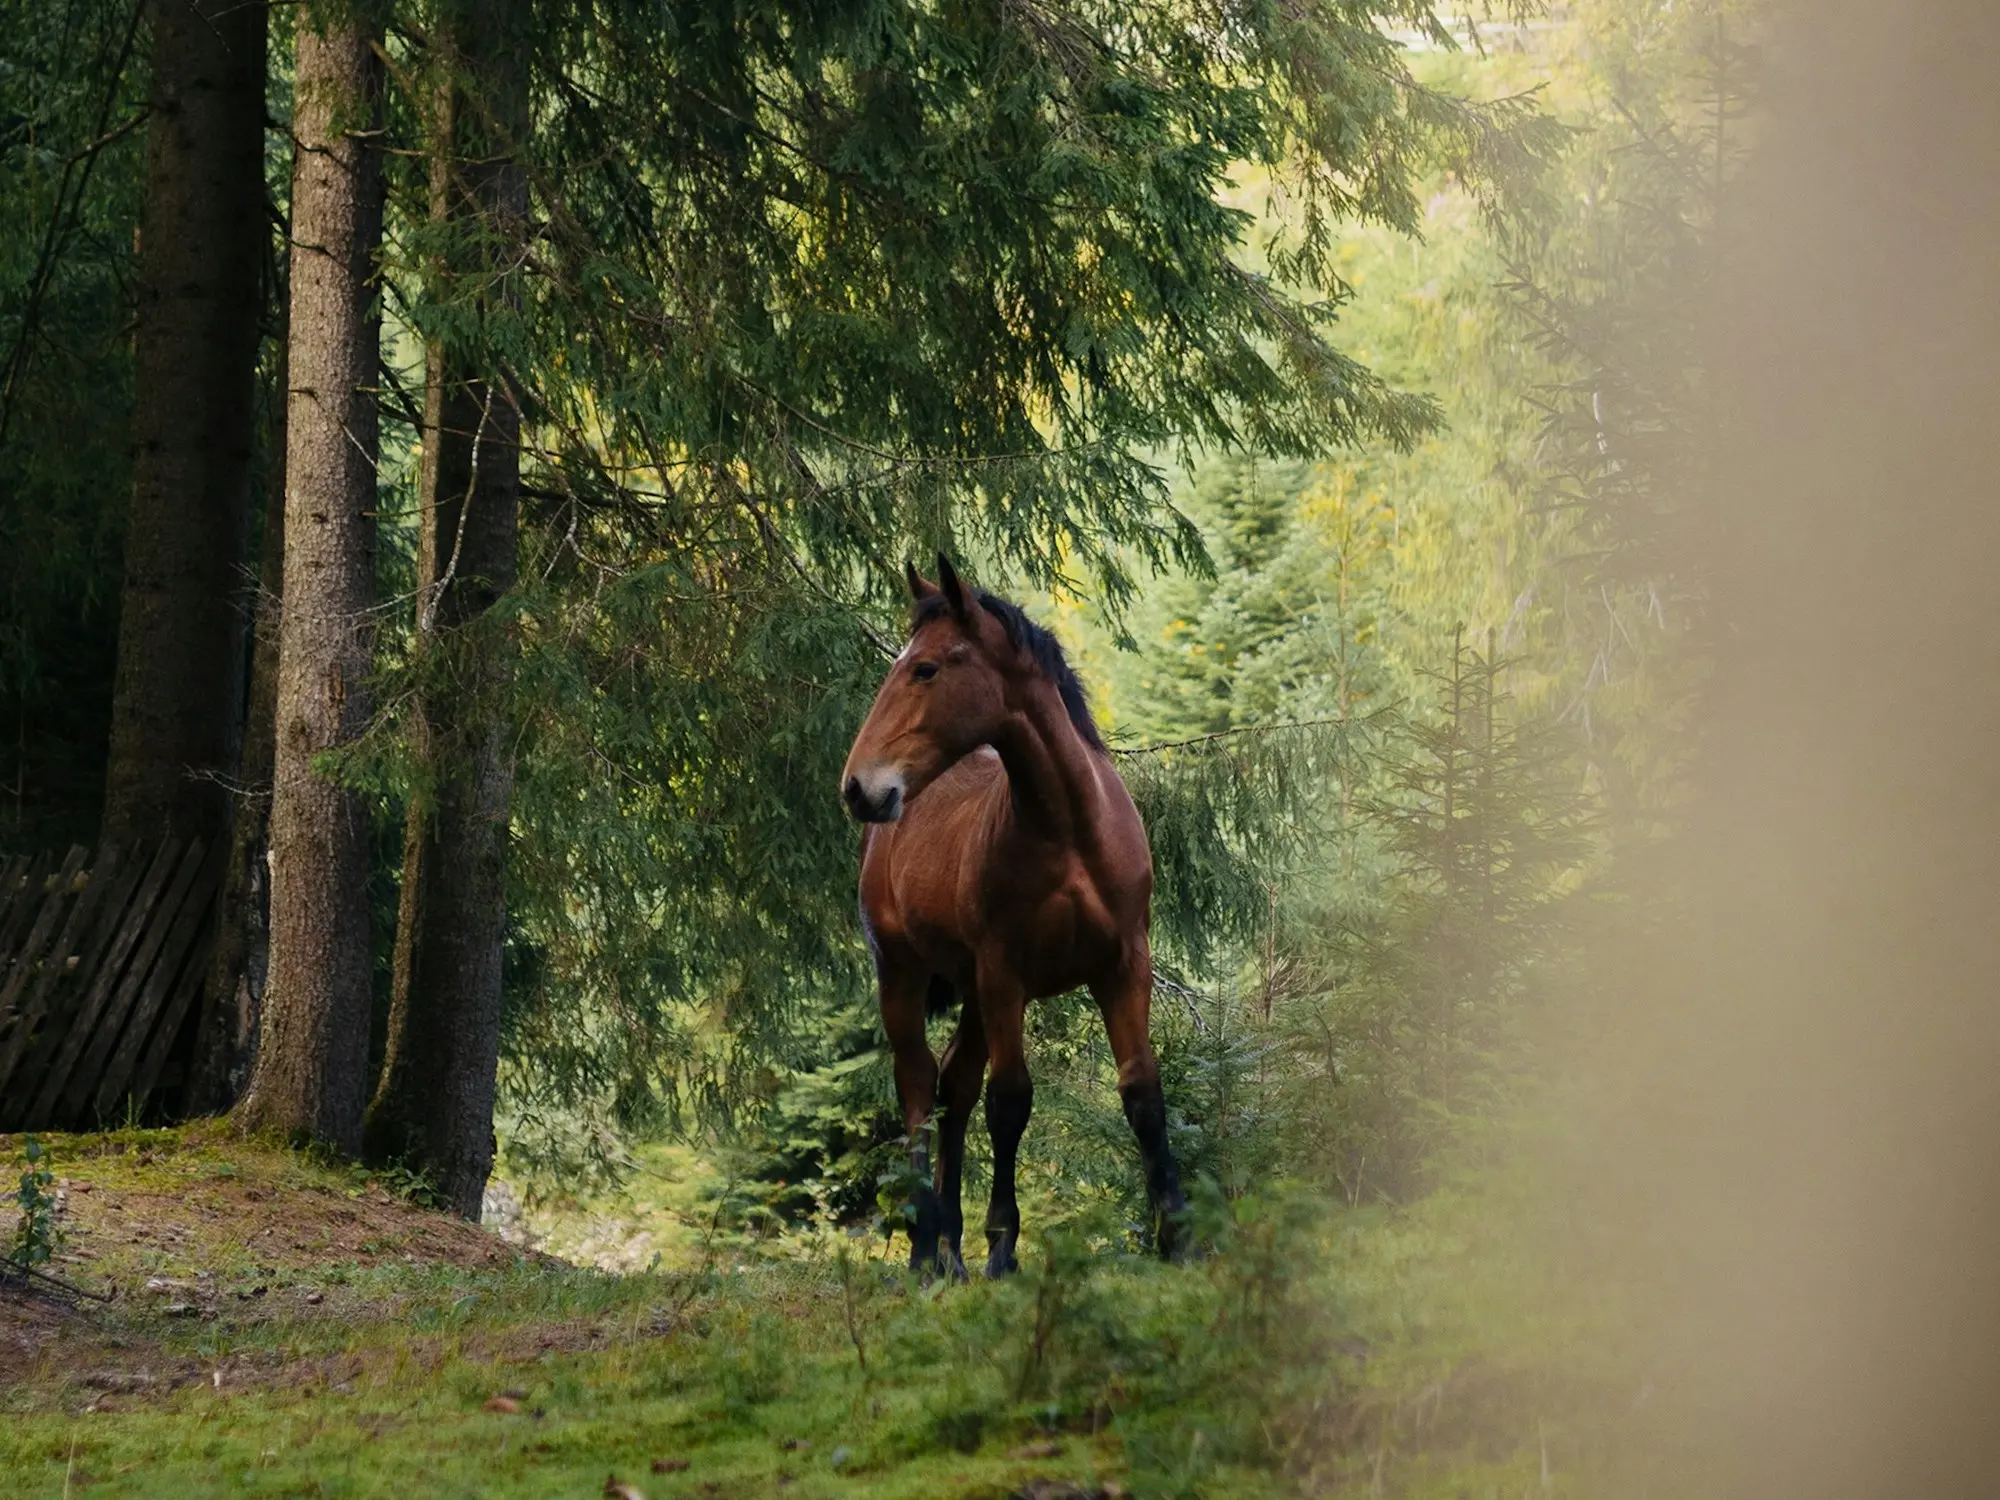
<point>856,798</point>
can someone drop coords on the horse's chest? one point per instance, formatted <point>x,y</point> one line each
<point>1058,929</point>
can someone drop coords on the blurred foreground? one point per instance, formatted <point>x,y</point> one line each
<point>1789,1130</point>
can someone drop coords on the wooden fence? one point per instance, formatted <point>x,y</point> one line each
<point>101,968</point>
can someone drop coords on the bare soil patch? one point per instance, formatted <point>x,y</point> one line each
<point>201,1236</point>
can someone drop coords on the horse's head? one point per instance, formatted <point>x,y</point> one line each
<point>946,695</point>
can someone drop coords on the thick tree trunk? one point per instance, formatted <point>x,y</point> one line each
<point>311,1071</point>
<point>434,1108</point>
<point>177,702</point>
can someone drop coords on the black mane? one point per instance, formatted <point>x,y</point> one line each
<point>1023,634</point>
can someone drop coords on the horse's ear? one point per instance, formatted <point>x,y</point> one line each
<point>953,588</point>
<point>921,588</point>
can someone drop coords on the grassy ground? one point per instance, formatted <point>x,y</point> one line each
<point>286,1328</point>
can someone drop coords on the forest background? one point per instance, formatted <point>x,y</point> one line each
<point>1335,395</point>
<point>1433,603</point>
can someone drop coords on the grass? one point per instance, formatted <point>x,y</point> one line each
<point>309,1332</point>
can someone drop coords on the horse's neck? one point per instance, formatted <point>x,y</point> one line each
<point>1052,779</point>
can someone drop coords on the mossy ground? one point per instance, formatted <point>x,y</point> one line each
<point>282,1327</point>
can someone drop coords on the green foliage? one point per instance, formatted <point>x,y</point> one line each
<point>38,1234</point>
<point>745,1359</point>
<point>822,288</point>
<point>1363,832</point>
<point>412,1186</point>
<point>1402,1024</point>
<point>72,150</point>
<point>1617,296</point>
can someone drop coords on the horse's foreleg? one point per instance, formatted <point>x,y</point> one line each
<point>1010,1098</point>
<point>959,1079</point>
<point>902,995</point>
<point>1126,1001</point>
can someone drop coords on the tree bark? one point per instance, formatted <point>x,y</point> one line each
<point>177,698</point>
<point>233,992</point>
<point>434,1108</point>
<point>310,1076</point>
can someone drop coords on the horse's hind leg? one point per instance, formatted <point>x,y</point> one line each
<point>902,988</point>
<point>1010,1098</point>
<point>959,1080</point>
<point>1126,1002</point>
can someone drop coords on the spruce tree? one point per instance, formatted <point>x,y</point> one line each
<point>826,287</point>
<point>434,1106</point>
<point>73,179</point>
<point>233,988</point>
<point>310,1075</point>
<point>176,710</point>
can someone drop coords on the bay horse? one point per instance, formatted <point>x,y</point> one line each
<point>1003,859</point>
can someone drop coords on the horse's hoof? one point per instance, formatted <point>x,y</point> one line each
<point>1001,1263</point>
<point>954,1267</point>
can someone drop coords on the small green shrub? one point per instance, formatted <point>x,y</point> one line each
<point>746,1364</point>
<point>38,1235</point>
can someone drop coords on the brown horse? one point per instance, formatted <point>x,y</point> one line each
<point>1004,860</point>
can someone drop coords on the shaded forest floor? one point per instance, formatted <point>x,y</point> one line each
<point>282,1327</point>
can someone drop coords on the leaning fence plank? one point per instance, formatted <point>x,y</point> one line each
<point>13,1020</point>
<point>185,921</point>
<point>120,921</point>
<point>111,1025</point>
<point>193,972</point>
<point>112,877</point>
<point>11,882</point>
<point>110,991</point>
<point>25,900</point>
<point>34,1007</point>
<point>22,878</point>
<point>65,974</point>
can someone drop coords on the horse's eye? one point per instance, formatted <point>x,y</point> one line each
<point>924,671</point>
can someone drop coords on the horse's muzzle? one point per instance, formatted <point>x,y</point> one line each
<point>882,806</point>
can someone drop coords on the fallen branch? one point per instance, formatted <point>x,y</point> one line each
<point>9,1266</point>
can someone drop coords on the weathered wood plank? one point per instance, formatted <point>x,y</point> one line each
<point>21,911</point>
<point>55,965</point>
<point>13,1021</point>
<point>186,988</point>
<point>172,870</point>
<point>11,881</point>
<point>184,921</point>
<point>119,926</point>
<point>112,877</point>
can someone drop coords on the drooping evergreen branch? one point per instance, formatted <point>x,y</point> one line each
<point>76,173</point>
<point>1224,734</point>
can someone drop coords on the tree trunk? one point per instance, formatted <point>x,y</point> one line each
<point>311,1071</point>
<point>233,991</point>
<point>434,1109</point>
<point>177,701</point>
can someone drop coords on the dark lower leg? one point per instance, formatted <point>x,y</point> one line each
<point>916,1088</point>
<point>1008,1103</point>
<point>959,1081</point>
<point>1146,1113</point>
<point>925,1220</point>
<point>951,1208</point>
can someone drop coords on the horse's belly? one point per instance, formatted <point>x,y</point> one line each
<point>1070,942</point>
